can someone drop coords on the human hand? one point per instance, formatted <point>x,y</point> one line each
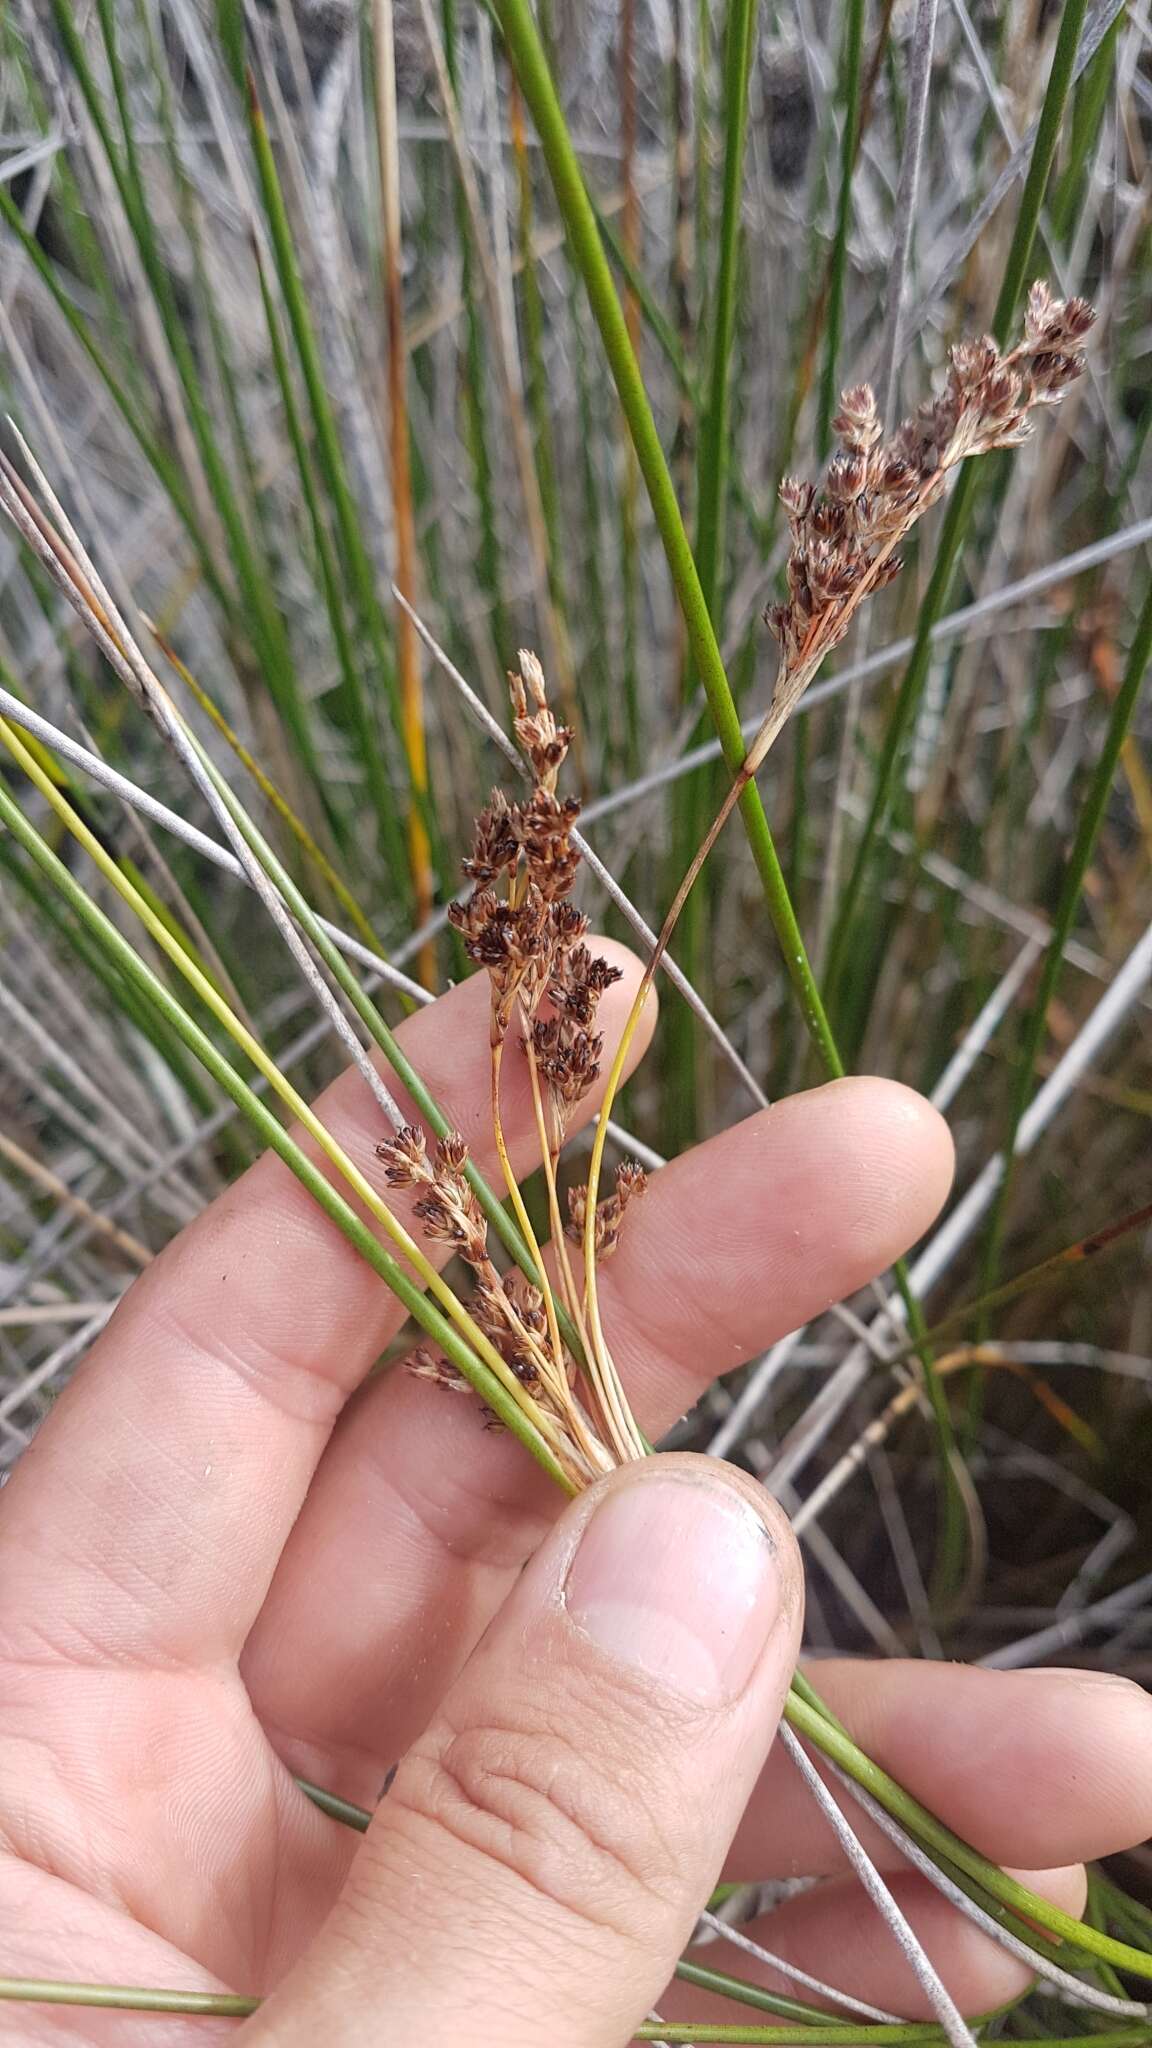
<point>228,1556</point>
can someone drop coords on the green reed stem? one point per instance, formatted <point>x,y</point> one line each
<point>959,510</point>
<point>942,1843</point>
<point>832,2036</point>
<point>272,1132</point>
<point>693,800</point>
<point>497,1216</point>
<point>221,2005</point>
<point>531,65</point>
<point>343,1810</point>
<point>852,67</point>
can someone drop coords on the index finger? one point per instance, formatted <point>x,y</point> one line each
<point>148,1516</point>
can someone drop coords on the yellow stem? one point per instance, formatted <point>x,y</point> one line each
<point>549,1156</point>
<point>301,1110</point>
<point>616,1071</point>
<point>522,1216</point>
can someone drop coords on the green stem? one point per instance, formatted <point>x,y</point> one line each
<point>693,800</point>
<point>817,1727</point>
<point>223,2005</point>
<point>349,1816</point>
<point>831,2036</point>
<point>272,1132</point>
<point>535,80</point>
<point>957,516</point>
<point>497,1216</point>
<point>834,315</point>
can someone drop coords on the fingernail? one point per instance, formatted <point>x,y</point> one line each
<point>678,1578</point>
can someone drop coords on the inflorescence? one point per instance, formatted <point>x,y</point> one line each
<point>844,538</point>
<point>520,925</point>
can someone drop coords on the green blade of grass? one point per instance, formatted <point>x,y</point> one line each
<point>942,1844</point>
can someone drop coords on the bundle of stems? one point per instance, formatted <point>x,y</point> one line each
<point>528,1341</point>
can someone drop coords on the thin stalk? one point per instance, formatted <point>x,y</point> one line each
<point>268,790</point>
<point>117,949</point>
<point>949,1848</point>
<point>1087,114</point>
<point>786,2037</point>
<point>343,1810</point>
<point>629,492</point>
<point>616,1071</point>
<point>714,451</point>
<point>852,72</point>
<point>407,645</point>
<point>550,1147</point>
<point>722,1985</point>
<point>531,66</point>
<point>432,1280</point>
<point>223,2005</point>
<point>540,1274</point>
<point>474,386</point>
<point>713,459</point>
<point>536,381</point>
<point>957,516</point>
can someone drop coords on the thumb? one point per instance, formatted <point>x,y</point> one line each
<point>546,1845</point>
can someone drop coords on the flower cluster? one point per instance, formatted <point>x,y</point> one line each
<point>843,538</point>
<point>519,923</point>
<point>508,1309</point>
<point>447,1207</point>
<point>631,1180</point>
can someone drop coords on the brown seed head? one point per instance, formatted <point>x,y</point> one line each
<point>544,742</point>
<point>858,422</point>
<point>405,1158</point>
<point>495,846</point>
<point>843,540</point>
<point>631,1181</point>
<point>426,1364</point>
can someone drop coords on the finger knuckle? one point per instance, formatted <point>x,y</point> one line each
<point>557,1821</point>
